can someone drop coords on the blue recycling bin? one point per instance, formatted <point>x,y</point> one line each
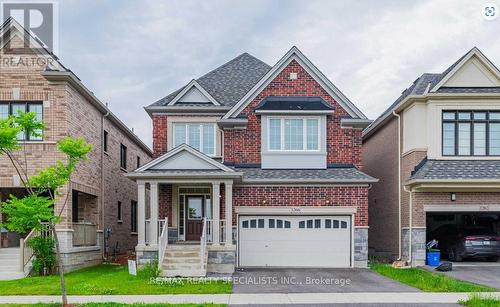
<point>433,257</point>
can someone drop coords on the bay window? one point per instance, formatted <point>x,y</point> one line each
<point>293,134</point>
<point>471,133</point>
<point>200,136</point>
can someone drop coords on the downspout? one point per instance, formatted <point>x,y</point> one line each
<point>410,228</point>
<point>103,249</point>
<point>399,186</point>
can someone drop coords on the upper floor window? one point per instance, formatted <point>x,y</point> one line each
<point>293,134</point>
<point>105,141</point>
<point>138,161</point>
<point>12,108</point>
<point>197,135</point>
<point>123,156</point>
<point>471,133</point>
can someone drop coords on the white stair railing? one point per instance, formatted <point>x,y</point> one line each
<point>203,242</point>
<point>162,242</point>
<point>26,252</point>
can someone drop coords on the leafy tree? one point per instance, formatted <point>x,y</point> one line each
<point>38,207</point>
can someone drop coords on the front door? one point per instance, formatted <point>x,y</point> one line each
<point>194,214</point>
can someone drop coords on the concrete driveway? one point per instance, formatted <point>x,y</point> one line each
<point>314,281</point>
<point>487,274</point>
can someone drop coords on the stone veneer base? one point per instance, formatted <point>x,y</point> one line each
<point>418,245</point>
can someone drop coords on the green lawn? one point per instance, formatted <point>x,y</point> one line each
<point>479,301</point>
<point>427,281</point>
<point>107,279</point>
<point>112,305</point>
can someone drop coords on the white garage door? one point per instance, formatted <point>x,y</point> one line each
<point>294,241</point>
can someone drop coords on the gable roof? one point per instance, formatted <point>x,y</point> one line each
<point>56,71</point>
<point>295,54</point>
<point>228,82</point>
<point>429,83</point>
<point>187,88</point>
<point>208,163</point>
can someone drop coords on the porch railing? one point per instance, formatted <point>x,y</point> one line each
<point>26,253</point>
<point>84,234</point>
<point>203,242</point>
<point>210,231</point>
<point>161,225</point>
<point>163,242</point>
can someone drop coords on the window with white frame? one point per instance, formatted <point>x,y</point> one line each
<point>197,135</point>
<point>293,133</point>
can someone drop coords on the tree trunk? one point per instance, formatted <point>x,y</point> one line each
<point>60,267</point>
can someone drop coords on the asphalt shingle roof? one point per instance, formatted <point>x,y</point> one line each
<point>333,174</point>
<point>230,82</point>
<point>457,169</point>
<point>427,81</point>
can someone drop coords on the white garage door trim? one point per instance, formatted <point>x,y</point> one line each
<point>294,217</point>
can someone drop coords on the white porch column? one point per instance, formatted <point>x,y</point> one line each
<point>229,212</point>
<point>153,225</point>
<point>141,214</point>
<point>216,213</point>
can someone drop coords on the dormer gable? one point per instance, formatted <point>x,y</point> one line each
<point>474,69</point>
<point>184,157</point>
<point>193,93</point>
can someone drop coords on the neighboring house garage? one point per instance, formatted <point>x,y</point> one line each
<point>307,241</point>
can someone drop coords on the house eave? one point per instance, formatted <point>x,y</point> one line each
<point>296,112</point>
<point>453,185</point>
<point>381,121</point>
<point>355,123</point>
<point>187,176</point>
<point>232,123</point>
<point>70,78</point>
<point>191,110</point>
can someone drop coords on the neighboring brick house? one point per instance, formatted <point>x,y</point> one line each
<point>263,163</point>
<point>448,127</point>
<point>34,80</point>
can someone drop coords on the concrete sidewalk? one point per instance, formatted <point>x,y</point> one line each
<point>259,298</point>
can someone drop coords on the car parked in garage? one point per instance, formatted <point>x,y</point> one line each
<point>467,242</point>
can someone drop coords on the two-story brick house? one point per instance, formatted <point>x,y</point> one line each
<point>260,166</point>
<point>436,152</point>
<point>100,199</point>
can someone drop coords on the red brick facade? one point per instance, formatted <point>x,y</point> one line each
<point>159,135</point>
<point>243,146</point>
<point>343,145</point>
<point>165,202</point>
<point>304,196</point>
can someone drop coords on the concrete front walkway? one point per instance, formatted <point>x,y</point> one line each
<point>259,298</point>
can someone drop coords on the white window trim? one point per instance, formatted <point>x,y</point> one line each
<point>282,133</point>
<point>186,135</point>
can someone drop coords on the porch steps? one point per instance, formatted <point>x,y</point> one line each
<point>9,263</point>
<point>184,260</point>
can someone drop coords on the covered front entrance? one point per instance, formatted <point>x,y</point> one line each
<point>194,205</point>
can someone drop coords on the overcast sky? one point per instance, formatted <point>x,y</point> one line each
<point>132,53</point>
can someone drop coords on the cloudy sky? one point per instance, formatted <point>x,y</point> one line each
<point>131,53</point>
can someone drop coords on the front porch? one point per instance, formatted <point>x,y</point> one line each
<point>185,213</point>
<point>185,216</point>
